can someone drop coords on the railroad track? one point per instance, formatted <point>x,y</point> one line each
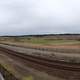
<point>46,63</point>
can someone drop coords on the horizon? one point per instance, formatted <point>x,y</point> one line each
<point>40,34</point>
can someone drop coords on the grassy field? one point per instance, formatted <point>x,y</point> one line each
<point>47,41</point>
<point>42,41</point>
<point>60,45</point>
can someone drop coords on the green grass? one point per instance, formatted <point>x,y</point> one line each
<point>42,41</point>
<point>49,42</point>
<point>28,78</point>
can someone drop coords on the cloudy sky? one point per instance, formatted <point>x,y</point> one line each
<point>39,16</point>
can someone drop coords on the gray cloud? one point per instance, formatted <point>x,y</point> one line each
<point>39,16</point>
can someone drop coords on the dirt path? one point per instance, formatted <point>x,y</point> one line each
<point>22,71</point>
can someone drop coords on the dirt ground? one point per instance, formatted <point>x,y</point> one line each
<point>67,46</point>
<point>22,72</point>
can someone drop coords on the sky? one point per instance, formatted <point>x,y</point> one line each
<point>25,17</point>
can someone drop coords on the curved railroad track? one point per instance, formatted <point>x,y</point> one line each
<point>50,64</point>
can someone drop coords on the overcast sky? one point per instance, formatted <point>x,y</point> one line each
<point>39,16</point>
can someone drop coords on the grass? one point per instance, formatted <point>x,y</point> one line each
<point>28,78</point>
<point>49,42</point>
<point>43,41</point>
